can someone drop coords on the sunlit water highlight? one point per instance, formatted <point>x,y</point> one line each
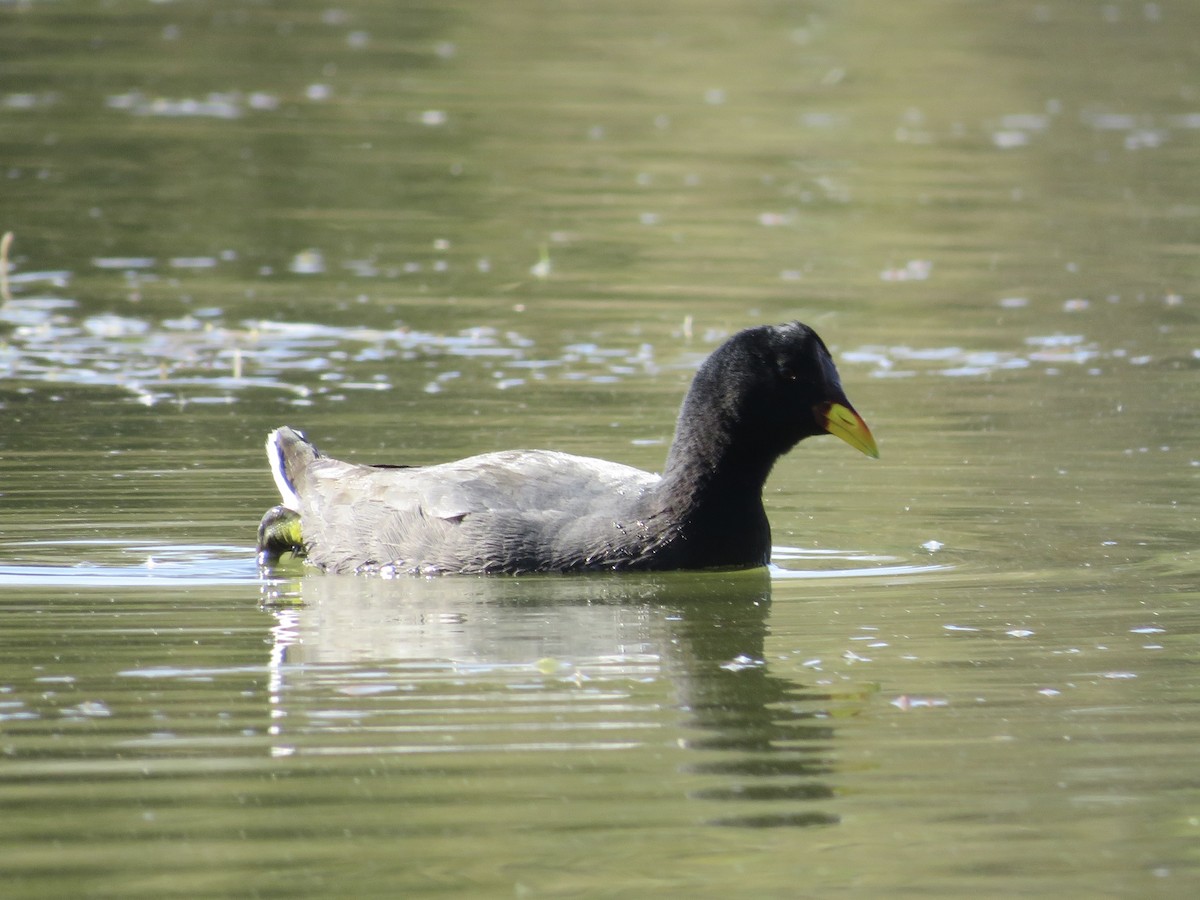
<point>166,565</point>
<point>201,356</point>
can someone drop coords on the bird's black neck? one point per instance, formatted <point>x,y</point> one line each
<point>710,482</point>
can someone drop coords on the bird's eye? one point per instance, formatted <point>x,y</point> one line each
<point>787,373</point>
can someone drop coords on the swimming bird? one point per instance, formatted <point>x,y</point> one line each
<point>755,397</point>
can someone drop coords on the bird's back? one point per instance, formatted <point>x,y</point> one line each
<point>511,511</point>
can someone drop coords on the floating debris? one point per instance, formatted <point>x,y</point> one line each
<point>913,270</point>
<point>124,262</point>
<point>214,105</point>
<point>307,262</point>
<point>541,268</point>
<point>905,703</point>
<point>5,243</point>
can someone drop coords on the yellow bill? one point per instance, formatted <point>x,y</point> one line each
<point>841,420</point>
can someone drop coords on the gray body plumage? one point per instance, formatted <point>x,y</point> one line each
<point>497,512</point>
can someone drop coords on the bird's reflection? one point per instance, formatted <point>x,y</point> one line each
<point>750,736</point>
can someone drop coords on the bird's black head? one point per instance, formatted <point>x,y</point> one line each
<point>772,386</point>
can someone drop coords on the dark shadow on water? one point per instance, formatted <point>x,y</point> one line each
<point>752,738</point>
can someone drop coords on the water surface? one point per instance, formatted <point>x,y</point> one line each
<point>971,666</point>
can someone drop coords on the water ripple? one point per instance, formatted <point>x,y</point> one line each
<point>160,564</point>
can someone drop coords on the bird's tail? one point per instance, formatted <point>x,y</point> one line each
<point>289,454</point>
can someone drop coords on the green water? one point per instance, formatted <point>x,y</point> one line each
<point>423,231</point>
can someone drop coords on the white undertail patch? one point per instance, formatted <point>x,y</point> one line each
<point>275,454</point>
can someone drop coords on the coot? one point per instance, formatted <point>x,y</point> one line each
<point>759,394</point>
